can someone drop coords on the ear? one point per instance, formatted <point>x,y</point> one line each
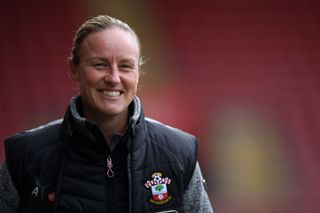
<point>74,72</point>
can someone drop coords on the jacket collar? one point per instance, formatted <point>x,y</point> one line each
<point>76,122</point>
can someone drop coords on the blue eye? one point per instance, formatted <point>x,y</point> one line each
<point>126,66</point>
<point>100,66</point>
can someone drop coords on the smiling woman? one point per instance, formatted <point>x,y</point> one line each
<point>107,73</point>
<point>101,155</point>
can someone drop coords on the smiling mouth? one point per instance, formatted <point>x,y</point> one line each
<point>107,93</point>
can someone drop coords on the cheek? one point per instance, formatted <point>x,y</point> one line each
<point>135,78</point>
<point>88,78</point>
<point>130,81</point>
<point>134,83</point>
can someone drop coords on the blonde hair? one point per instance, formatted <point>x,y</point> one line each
<point>98,24</point>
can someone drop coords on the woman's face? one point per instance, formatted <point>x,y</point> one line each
<point>108,72</point>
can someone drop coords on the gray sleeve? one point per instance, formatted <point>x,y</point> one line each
<point>9,198</point>
<point>195,198</point>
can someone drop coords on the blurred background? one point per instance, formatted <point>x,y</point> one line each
<point>243,76</point>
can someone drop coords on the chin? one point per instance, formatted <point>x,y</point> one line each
<point>112,111</point>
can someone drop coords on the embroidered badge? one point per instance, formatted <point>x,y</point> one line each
<point>159,189</point>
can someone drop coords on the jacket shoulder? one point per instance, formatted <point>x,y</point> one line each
<point>170,136</point>
<point>40,137</point>
<point>24,151</point>
<point>181,144</point>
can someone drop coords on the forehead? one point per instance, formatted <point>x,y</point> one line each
<point>111,40</point>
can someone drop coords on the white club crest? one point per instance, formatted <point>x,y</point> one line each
<point>159,190</point>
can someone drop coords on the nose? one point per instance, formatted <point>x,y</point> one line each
<point>113,76</point>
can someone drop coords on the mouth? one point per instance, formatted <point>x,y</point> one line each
<point>110,93</point>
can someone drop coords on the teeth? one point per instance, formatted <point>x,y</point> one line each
<point>110,93</point>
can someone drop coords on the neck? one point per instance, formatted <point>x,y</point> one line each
<point>109,125</point>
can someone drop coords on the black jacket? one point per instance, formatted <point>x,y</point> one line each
<point>160,164</point>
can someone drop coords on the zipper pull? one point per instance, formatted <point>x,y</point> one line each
<point>110,173</point>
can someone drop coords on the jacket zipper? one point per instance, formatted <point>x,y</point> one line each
<point>110,172</point>
<point>109,175</point>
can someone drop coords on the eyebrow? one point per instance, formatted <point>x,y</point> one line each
<point>128,61</point>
